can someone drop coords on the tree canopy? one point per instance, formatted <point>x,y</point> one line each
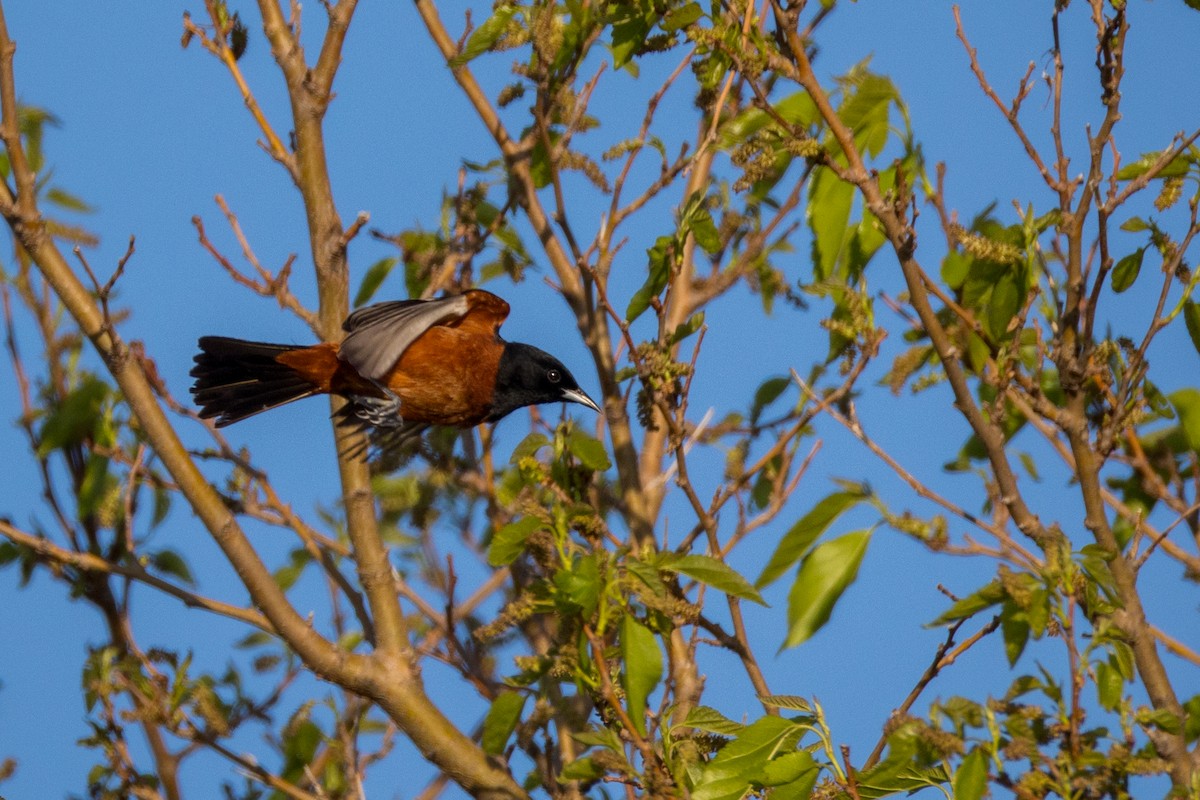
<point>890,311</point>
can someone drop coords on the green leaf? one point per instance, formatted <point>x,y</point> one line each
<point>799,538</point>
<point>97,485</point>
<point>75,419</point>
<point>1110,686</point>
<point>9,552</point>
<point>768,392</point>
<point>708,719</point>
<point>792,774</point>
<point>254,639</point>
<point>1177,167</point>
<point>970,779</point>
<point>715,573</point>
<point>64,199</point>
<point>540,167</point>
<point>899,772</point>
<point>286,576</point>
<point>700,223</point>
<point>865,110</point>
<point>741,763</point>
<point>1187,405</point>
<point>972,604</point>
<point>789,701</point>
<point>582,769</point>
<point>1015,627</point>
<point>171,563</point>
<point>485,36</point>
<point>824,575</point>
<point>629,31</point>
<point>1135,224</point>
<point>797,109</point>
<point>1191,725</point>
<point>579,586</point>
<point>681,17</point>
<point>642,668</point>
<point>374,277</point>
<point>661,256</point>
<point>501,720</point>
<point>687,328</point>
<point>589,450</point>
<point>1126,270</point>
<point>1005,304</point>
<point>1191,317</point>
<point>829,203</point>
<point>509,542</point>
<point>1030,465</point>
<point>528,447</point>
<point>1162,718</point>
<point>300,747</point>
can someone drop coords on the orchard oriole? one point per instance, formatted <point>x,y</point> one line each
<point>403,365</point>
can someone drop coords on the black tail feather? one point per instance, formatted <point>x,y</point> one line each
<point>236,379</point>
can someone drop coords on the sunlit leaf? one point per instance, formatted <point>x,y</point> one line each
<point>1015,627</point>
<point>642,668</point>
<point>64,199</point>
<point>789,701</point>
<point>509,542</point>
<point>681,17</point>
<point>799,538</point>
<point>741,763</point>
<point>970,779</point>
<point>791,775</point>
<point>97,485</point>
<point>824,575</point>
<point>797,109</point>
<point>629,29</point>
<point>1187,405</point>
<point>687,328</point>
<point>582,769</point>
<point>661,256</point>
<point>501,720</point>
<point>579,586</point>
<point>715,573</point>
<point>589,450</point>
<point>829,202</point>
<point>708,719</point>
<point>1176,168</point>
<point>1127,269</point>
<point>1110,686</point>
<point>1004,305</point>
<point>1191,317</point>
<point>486,35</point>
<point>528,447</point>
<point>374,277</point>
<point>75,418</point>
<point>972,604</point>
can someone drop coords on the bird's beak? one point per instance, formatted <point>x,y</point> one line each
<point>577,396</point>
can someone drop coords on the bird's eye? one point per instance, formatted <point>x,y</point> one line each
<point>554,376</point>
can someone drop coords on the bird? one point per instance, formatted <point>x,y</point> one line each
<point>403,365</point>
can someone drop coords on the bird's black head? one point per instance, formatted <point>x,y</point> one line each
<point>529,376</point>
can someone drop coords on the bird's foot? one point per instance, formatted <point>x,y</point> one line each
<point>379,412</point>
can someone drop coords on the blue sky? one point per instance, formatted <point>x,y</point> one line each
<point>151,132</point>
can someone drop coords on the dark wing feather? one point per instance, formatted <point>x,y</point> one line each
<point>378,335</point>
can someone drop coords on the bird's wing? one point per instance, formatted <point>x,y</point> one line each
<point>376,336</point>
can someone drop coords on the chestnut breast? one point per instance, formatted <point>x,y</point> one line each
<point>448,375</point>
